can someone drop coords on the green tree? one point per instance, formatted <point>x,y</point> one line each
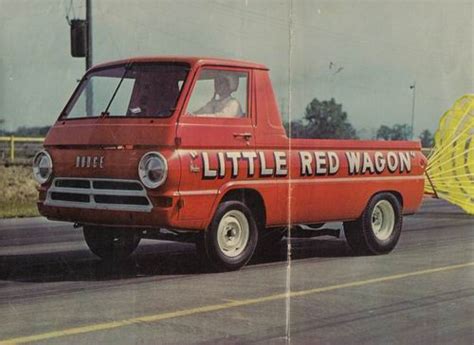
<point>384,132</point>
<point>297,130</point>
<point>32,131</point>
<point>427,139</point>
<point>326,119</point>
<point>323,120</point>
<point>397,132</point>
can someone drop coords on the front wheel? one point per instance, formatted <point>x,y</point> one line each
<point>111,243</point>
<point>231,238</point>
<point>378,229</point>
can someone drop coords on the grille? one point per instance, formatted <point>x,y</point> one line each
<point>105,194</point>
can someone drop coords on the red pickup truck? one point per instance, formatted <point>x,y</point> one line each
<point>193,149</point>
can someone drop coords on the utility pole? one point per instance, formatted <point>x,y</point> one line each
<point>89,91</point>
<point>413,88</point>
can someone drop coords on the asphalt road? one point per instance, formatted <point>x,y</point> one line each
<point>54,291</point>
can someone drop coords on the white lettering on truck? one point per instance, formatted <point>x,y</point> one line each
<point>315,163</point>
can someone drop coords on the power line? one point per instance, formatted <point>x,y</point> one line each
<point>68,11</point>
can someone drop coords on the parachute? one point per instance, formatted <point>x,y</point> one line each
<point>450,171</point>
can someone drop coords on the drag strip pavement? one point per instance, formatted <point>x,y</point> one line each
<point>54,291</point>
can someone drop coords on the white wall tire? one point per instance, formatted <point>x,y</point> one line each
<point>378,229</point>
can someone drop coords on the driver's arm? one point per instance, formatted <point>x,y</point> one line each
<point>206,109</point>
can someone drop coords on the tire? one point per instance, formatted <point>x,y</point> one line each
<point>231,238</point>
<point>111,243</point>
<point>378,229</point>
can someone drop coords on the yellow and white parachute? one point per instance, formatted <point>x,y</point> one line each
<point>450,170</point>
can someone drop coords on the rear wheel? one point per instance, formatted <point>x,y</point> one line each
<point>230,240</point>
<point>111,243</point>
<point>378,229</point>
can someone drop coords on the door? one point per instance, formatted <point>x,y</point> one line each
<point>216,134</point>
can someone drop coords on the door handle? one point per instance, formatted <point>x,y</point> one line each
<point>245,136</point>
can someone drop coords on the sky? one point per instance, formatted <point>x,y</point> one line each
<point>365,54</point>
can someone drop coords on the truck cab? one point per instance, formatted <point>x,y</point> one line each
<point>194,149</point>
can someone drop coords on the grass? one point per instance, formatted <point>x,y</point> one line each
<point>18,192</point>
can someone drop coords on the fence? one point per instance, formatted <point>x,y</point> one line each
<point>12,147</point>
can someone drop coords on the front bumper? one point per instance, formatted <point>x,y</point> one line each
<point>158,217</point>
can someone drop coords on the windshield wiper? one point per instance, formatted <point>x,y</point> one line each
<point>106,111</point>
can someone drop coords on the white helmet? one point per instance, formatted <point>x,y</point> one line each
<point>231,79</point>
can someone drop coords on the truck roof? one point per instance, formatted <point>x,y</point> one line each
<point>191,60</point>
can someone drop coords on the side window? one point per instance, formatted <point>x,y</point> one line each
<point>219,93</point>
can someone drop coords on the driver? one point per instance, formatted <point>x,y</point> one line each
<point>222,103</point>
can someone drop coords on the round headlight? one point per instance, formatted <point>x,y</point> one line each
<point>153,169</point>
<point>42,167</point>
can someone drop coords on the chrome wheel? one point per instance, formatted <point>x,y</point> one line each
<point>383,220</point>
<point>233,233</point>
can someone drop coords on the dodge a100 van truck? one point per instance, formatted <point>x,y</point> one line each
<point>193,149</point>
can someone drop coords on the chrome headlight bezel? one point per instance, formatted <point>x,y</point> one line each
<point>144,169</point>
<point>42,167</point>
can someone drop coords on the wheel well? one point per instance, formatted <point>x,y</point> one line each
<point>395,193</point>
<point>253,200</point>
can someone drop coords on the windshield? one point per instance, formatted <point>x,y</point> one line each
<point>133,90</point>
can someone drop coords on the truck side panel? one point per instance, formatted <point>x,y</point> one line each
<point>321,180</point>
